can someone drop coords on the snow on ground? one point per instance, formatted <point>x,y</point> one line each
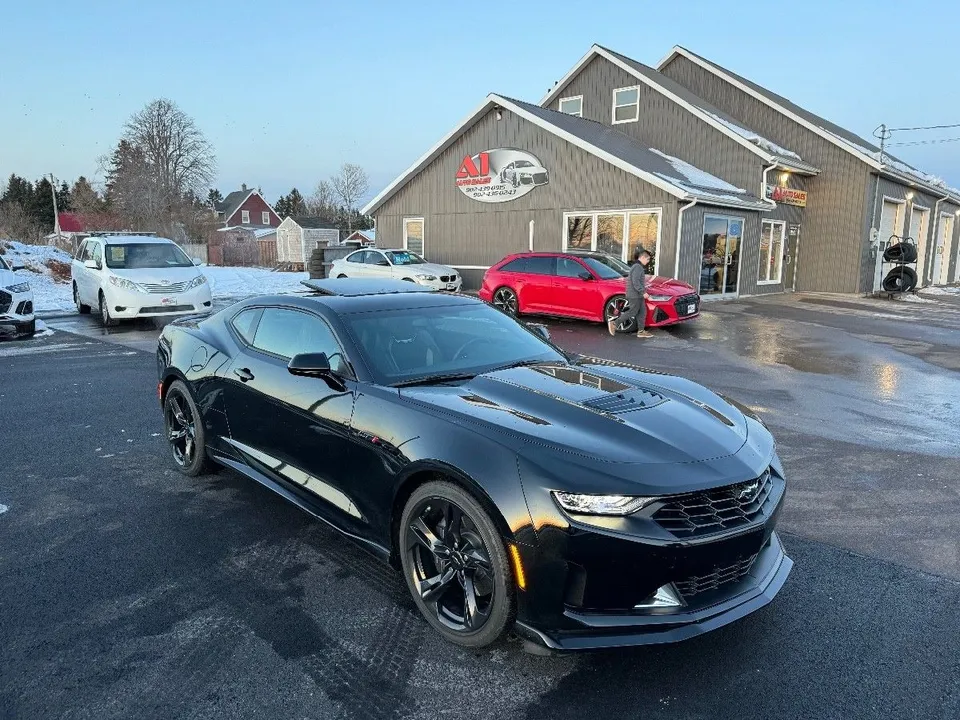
<point>941,291</point>
<point>52,291</point>
<point>907,297</point>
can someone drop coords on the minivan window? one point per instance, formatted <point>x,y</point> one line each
<point>132,256</point>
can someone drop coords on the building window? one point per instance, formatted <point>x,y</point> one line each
<point>413,235</point>
<point>626,105</point>
<point>572,105</point>
<point>618,233</point>
<point>245,217</point>
<point>772,234</point>
<point>265,217</point>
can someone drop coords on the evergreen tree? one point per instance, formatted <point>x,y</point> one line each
<point>64,199</point>
<point>84,199</point>
<point>19,190</point>
<point>214,197</point>
<point>41,207</point>
<point>282,207</point>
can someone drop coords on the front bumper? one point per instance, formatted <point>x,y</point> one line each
<point>127,304</point>
<point>443,285</point>
<point>16,312</point>
<point>675,310</point>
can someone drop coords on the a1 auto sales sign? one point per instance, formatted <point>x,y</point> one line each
<point>500,175</point>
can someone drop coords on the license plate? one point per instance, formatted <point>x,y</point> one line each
<point>451,286</point>
<point>691,308</point>
<point>168,301</point>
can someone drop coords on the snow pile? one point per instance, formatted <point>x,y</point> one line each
<point>915,299</point>
<point>696,177</point>
<point>941,291</point>
<point>238,282</point>
<point>759,141</point>
<point>51,290</point>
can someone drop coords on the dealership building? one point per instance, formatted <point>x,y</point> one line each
<point>731,187</point>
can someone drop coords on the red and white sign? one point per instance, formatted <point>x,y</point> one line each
<point>787,196</point>
<point>500,175</point>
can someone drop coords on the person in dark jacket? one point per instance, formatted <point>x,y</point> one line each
<point>636,296</point>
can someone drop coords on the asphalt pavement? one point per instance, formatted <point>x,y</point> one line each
<point>129,591</point>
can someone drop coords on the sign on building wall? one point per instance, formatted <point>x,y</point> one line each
<point>787,196</point>
<point>500,175</point>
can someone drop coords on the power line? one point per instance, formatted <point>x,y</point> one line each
<point>924,142</point>
<point>928,127</point>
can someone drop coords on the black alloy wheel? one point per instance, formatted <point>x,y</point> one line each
<point>505,300</point>
<point>456,565</point>
<point>613,308</point>
<point>184,430</point>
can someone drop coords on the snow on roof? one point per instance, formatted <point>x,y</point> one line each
<point>756,139</point>
<point>696,177</point>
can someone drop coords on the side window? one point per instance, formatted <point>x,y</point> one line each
<point>356,257</point>
<point>373,258</point>
<point>246,324</point>
<point>518,266</point>
<point>541,265</point>
<point>98,253</point>
<point>81,251</point>
<point>286,333</point>
<point>569,268</point>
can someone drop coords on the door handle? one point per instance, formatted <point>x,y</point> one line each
<point>243,374</point>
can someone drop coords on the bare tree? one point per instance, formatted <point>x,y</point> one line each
<point>322,203</point>
<point>350,185</point>
<point>179,156</point>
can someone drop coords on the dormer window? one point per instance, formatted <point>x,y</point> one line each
<point>626,105</point>
<point>572,105</point>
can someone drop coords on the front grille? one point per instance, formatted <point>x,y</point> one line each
<point>165,308</point>
<point>25,307</point>
<point>5,300</point>
<point>696,584</point>
<point>682,303</point>
<point>714,511</point>
<point>164,289</point>
<point>447,278</point>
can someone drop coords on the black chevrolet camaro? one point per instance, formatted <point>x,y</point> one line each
<point>577,502</point>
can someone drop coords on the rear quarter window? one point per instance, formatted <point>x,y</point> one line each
<point>518,266</point>
<point>245,324</point>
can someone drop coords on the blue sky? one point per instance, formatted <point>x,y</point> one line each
<point>290,89</point>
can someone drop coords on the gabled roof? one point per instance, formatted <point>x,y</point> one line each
<point>852,143</point>
<point>312,223</point>
<point>766,149</point>
<point>70,222</point>
<point>232,202</point>
<point>671,175</point>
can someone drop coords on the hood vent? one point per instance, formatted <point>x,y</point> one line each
<point>624,402</point>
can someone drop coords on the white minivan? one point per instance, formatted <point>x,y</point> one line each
<point>134,276</point>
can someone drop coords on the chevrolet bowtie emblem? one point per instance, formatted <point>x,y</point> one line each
<point>748,491</point>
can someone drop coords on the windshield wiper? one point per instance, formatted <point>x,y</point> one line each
<point>435,379</point>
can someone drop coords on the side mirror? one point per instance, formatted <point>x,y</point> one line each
<point>585,275</point>
<point>309,365</point>
<point>383,262</point>
<point>92,264</point>
<point>197,261</point>
<point>541,330</point>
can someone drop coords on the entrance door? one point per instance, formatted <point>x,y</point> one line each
<point>941,262</point>
<point>720,266</point>
<point>918,231</point>
<point>891,220</point>
<point>791,256</point>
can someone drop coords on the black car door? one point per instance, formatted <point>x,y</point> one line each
<point>295,429</point>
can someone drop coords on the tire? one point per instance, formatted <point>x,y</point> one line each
<point>900,279</point>
<point>901,252</point>
<point>409,280</point>
<point>81,308</point>
<point>105,313</point>
<point>180,413</point>
<point>482,572</point>
<point>341,276</point>
<point>506,301</point>
<point>613,307</point>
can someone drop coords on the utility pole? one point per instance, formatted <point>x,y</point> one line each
<point>884,134</point>
<point>56,211</point>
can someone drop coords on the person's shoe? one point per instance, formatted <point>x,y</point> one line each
<point>612,326</point>
<point>644,334</point>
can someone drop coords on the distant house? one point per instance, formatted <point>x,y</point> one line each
<point>362,237</point>
<point>246,208</point>
<point>246,246</point>
<point>298,237</point>
<point>73,228</point>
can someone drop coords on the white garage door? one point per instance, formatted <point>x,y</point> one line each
<point>941,263</point>
<point>891,223</point>
<point>918,231</point>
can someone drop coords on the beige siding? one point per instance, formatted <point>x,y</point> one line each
<point>460,231</point>
<point>289,242</point>
<point>664,125</point>
<point>834,245</point>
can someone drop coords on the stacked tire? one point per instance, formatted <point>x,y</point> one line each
<point>315,265</point>
<point>901,278</point>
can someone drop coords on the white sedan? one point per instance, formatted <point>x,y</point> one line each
<point>399,265</point>
<point>16,301</point>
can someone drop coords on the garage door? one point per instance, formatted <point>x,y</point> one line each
<point>941,263</point>
<point>891,223</point>
<point>918,231</point>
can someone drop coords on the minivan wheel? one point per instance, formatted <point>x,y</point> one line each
<point>456,565</point>
<point>105,312</point>
<point>81,308</point>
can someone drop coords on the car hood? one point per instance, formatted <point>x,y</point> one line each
<point>8,278</point>
<point>615,415</point>
<point>657,285</point>
<point>427,269</point>
<point>157,276</point>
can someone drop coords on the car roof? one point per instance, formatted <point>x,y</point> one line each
<point>358,287</point>
<point>131,239</point>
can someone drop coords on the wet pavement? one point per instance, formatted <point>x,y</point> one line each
<point>139,593</point>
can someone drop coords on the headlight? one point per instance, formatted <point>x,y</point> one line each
<point>124,284</point>
<point>426,278</point>
<point>21,288</point>
<point>601,504</point>
<point>659,298</point>
<point>196,282</point>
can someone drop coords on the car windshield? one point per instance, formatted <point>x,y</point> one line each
<point>145,255</point>
<point>404,257</point>
<point>524,163</point>
<point>437,342</point>
<point>3,264</point>
<point>606,267</point>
